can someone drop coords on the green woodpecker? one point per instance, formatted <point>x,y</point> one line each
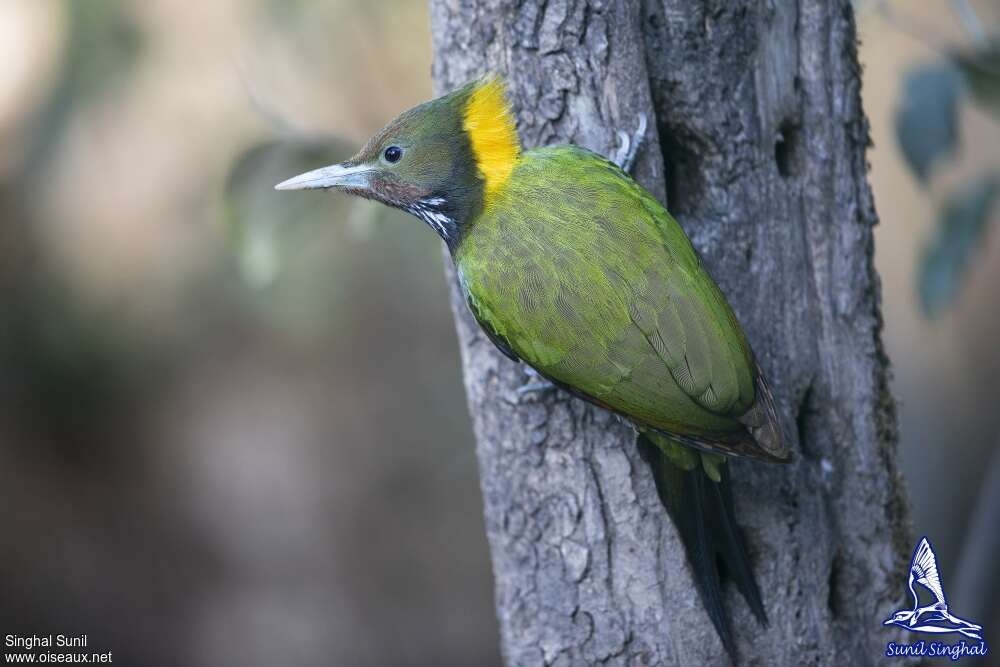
<point>572,267</point>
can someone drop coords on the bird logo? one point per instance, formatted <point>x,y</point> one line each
<point>934,617</point>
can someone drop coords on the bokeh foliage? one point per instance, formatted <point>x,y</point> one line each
<point>928,133</point>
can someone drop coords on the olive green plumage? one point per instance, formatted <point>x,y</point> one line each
<point>571,266</point>
<point>590,281</point>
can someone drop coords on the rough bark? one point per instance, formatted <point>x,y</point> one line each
<point>759,147</point>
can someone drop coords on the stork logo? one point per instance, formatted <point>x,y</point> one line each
<point>934,618</point>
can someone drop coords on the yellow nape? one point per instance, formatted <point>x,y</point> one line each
<point>489,123</point>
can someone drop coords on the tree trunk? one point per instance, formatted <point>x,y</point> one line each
<point>757,142</point>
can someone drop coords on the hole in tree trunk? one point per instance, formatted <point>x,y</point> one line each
<point>785,148</point>
<point>682,171</point>
<point>834,599</point>
<point>803,421</point>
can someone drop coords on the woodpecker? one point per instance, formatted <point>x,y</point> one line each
<point>573,268</point>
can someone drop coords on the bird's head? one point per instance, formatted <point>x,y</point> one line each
<point>899,617</point>
<point>441,161</point>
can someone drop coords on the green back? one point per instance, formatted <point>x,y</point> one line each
<point>586,277</point>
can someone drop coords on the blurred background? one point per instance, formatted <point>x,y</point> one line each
<point>232,427</point>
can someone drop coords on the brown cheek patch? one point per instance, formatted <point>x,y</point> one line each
<point>397,192</point>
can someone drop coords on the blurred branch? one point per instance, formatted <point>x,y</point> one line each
<point>976,581</point>
<point>263,105</point>
<point>927,35</point>
<point>906,25</point>
<point>105,42</point>
<point>969,19</point>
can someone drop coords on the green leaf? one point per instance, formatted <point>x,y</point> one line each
<point>264,225</point>
<point>960,230</point>
<point>926,117</point>
<point>981,68</point>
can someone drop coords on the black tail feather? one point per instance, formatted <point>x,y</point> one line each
<point>702,511</point>
<point>734,554</point>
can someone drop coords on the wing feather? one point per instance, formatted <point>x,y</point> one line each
<point>925,570</point>
<point>610,301</point>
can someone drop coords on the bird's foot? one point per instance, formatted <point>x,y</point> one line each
<point>629,146</point>
<point>536,385</point>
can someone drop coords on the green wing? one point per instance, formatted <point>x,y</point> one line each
<point>586,277</point>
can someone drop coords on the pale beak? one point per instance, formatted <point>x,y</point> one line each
<point>334,176</point>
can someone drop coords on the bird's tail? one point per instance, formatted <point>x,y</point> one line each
<point>702,511</point>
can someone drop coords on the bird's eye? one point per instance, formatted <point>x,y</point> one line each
<point>393,153</point>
